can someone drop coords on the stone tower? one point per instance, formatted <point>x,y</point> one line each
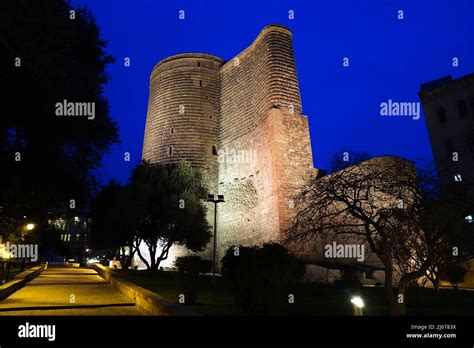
<point>241,123</point>
<point>183,113</point>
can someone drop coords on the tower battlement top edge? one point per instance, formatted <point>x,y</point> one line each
<point>267,29</point>
<point>196,55</point>
<point>189,55</point>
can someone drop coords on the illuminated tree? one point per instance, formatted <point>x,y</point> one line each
<point>382,203</point>
<point>169,200</point>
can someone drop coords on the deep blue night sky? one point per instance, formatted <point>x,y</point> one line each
<point>389,59</point>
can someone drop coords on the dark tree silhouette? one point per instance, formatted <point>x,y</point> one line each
<point>446,208</point>
<point>114,213</point>
<point>49,54</point>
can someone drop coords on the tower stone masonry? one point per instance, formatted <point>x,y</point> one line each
<point>241,123</point>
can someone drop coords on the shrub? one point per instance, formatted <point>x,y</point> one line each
<point>206,266</point>
<point>257,276</point>
<point>300,270</point>
<point>350,280</point>
<point>189,268</point>
<point>455,274</point>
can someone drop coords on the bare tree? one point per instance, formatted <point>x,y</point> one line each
<point>378,202</point>
<point>346,157</point>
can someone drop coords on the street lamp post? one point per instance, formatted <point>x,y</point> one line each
<point>220,199</point>
<point>28,228</point>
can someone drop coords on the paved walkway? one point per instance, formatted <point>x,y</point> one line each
<point>68,291</point>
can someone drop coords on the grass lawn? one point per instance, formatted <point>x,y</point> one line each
<point>310,299</point>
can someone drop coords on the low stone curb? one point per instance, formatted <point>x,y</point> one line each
<point>20,280</point>
<point>73,264</point>
<point>146,300</point>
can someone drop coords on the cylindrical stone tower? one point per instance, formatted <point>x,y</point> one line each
<point>183,113</point>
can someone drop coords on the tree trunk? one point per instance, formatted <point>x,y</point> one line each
<point>388,283</point>
<point>396,308</point>
<point>436,285</point>
<point>152,251</point>
<point>399,306</point>
<point>141,257</point>
<point>164,254</point>
<point>128,260</point>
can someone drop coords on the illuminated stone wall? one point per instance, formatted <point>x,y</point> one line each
<point>261,114</point>
<point>183,112</point>
<point>250,109</point>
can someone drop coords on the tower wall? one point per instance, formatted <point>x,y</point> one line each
<point>261,118</point>
<point>250,109</point>
<point>259,78</point>
<point>183,113</point>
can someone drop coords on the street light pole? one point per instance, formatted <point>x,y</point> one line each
<point>220,199</point>
<point>28,227</point>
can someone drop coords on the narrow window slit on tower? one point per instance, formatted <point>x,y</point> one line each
<point>214,150</point>
<point>200,83</point>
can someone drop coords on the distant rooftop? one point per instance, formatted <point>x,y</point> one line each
<point>436,83</point>
<point>442,82</point>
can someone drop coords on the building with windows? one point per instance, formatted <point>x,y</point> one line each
<point>74,233</point>
<point>448,105</point>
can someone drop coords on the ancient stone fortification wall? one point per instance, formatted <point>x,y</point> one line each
<point>262,125</point>
<point>259,78</point>
<point>183,112</point>
<point>249,109</point>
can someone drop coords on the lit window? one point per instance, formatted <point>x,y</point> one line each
<point>76,218</point>
<point>68,237</point>
<point>77,236</point>
<point>469,219</point>
<point>457,177</point>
